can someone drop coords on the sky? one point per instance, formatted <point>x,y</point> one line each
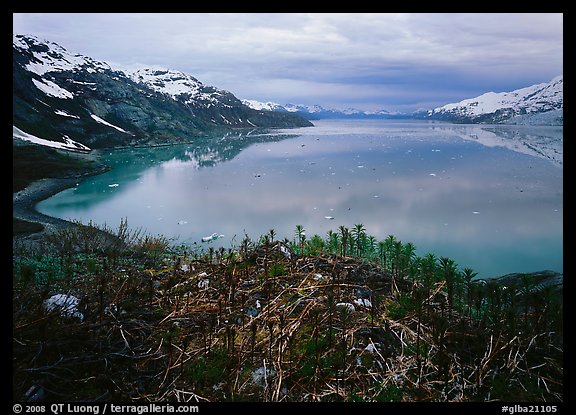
<point>369,61</point>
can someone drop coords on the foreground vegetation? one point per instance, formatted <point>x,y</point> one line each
<point>343,317</point>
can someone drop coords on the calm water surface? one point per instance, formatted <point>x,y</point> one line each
<point>489,197</point>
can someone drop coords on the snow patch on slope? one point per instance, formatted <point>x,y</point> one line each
<point>68,143</point>
<point>51,89</point>
<point>101,121</point>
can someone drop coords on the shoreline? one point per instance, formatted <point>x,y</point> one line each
<point>24,204</point>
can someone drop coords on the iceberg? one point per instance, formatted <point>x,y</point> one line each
<point>212,237</point>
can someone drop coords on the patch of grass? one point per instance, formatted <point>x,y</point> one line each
<point>400,308</point>
<point>277,270</point>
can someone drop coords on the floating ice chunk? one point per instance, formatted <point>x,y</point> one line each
<point>212,237</point>
<point>113,185</point>
<point>66,304</point>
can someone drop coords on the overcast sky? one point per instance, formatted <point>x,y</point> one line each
<point>399,62</point>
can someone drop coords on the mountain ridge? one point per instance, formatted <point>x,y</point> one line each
<point>316,111</point>
<point>505,107</point>
<point>539,104</point>
<point>63,97</point>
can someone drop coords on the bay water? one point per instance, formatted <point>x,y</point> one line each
<point>490,197</point>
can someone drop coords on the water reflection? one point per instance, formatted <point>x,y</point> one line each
<point>538,141</point>
<point>130,164</point>
<point>457,191</point>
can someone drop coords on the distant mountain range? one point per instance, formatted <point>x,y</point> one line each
<point>536,104</point>
<point>67,100</point>
<point>316,112</point>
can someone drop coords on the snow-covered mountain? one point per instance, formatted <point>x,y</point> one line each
<point>184,88</point>
<point>521,106</point>
<point>315,112</point>
<point>73,101</point>
<point>540,104</point>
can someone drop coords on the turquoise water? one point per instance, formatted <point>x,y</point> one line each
<point>489,197</point>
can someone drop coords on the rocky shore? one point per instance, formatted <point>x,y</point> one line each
<point>24,201</point>
<point>31,226</point>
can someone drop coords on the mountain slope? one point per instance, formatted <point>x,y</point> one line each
<point>69,98</point>
<point>518,106</point>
